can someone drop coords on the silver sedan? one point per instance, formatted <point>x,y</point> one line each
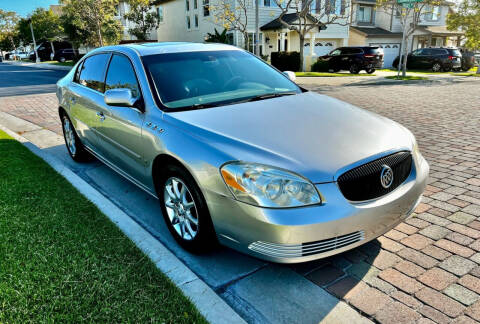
<point>236,152</point>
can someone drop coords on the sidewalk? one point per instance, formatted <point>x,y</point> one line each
<point>40,65</point>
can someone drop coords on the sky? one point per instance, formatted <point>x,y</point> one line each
<point>24,7</point>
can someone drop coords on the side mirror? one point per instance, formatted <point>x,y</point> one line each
<point>290,75</point>
<point>119,97</point>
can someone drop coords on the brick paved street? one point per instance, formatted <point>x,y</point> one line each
<point>428,268</point>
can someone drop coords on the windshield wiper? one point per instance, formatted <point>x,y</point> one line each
<point>269,96</point>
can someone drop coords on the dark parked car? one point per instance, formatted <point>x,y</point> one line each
<point>468,60</point>
<point>354,59</point>
<point>44,49</point>
<point>435,59</point>
<point>66,54</point>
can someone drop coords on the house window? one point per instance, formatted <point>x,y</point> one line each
<point>266,3</point>
<point>251,42</point>
<point>188,22</point>
<point>160,14</point>
<point>195,4</point>
<point>187,4</point>
<point>196,20</point>
<point>206,8</point>
<point>365,14</point>
<point>315,6</point>
<point>432,14</point>
<point>335,7</point>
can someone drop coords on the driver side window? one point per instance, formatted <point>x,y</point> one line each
<point>121,75</point>
<point>335,52</point>
<point>417,52</point>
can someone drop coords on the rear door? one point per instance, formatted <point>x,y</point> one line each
<point>120,128</point>
<point>86,93</point>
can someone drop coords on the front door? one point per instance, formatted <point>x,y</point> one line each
<point>120,129</point>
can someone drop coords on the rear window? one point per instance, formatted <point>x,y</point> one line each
<point>373,50</point>
<point>455,52</point>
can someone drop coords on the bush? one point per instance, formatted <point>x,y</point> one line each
<point>320,66</point>
<point>286,61</point>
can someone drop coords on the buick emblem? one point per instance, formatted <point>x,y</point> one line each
<point>386,176</point>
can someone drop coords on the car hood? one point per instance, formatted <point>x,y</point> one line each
<point>313,135</point>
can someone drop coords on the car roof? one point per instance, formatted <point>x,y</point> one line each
<point>144,49</point>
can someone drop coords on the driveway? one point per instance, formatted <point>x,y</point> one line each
<point>427,269</point>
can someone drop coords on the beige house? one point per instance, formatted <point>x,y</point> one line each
<point>376,27</point>
<point>191,20</point>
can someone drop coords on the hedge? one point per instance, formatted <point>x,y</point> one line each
<point>286,61</point>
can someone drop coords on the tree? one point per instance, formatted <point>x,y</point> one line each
<point>8,35</point>
<point>145,20</point>
<point>410,15</point>
<point>217,37</point>
<point>91,22</point>
<point>467,18</point>
<point>232,18</point>
<point>46,25</point>
<point>311,15</point>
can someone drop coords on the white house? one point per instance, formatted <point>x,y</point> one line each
<point>191,20</point>
<point>120,10</point>
<point>377,27</point>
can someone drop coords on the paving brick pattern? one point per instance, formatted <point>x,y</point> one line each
<point>427,269</point>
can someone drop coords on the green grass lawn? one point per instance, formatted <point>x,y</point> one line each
<point>62,260</point>
<point>328,74</point>
<point>67,63</point>
<point>406,78</point>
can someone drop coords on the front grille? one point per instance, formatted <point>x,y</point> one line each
<point>363,182</point>
<point>305,249</point>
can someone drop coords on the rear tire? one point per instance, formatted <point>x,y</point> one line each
<point>185,210</point>
<point>74,146</point>
<point>447,68</point>
<point>62,59</point>
<point>370,71</point>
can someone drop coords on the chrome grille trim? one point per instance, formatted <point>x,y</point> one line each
<point>305,249</point>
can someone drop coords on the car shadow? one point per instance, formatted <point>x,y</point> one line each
<point>260,291</point>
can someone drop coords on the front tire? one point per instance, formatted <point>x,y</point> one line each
<point>354,69</point>
<point>74,146</point>
<point>185,210</point>
<point>436,67</point>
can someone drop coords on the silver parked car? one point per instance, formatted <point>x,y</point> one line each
<point>236,152</point>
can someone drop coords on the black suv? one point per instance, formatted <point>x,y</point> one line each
<point>435,59</point>
<point>353,59</point>
<point>65,54</point>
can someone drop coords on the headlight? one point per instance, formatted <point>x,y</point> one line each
<point>265,186</point>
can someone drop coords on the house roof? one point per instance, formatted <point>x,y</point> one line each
<point>289,19</point>
<point>375,32</point>
<point>442,31</point>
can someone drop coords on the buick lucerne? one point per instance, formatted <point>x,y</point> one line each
<point>237,153</point>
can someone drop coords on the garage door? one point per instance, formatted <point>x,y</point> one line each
<point>390,52</point>
<point>321,47</point>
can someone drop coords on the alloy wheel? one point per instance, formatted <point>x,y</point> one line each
<point>181,208</point>
<point>436,67</point>
<point>69,136</point>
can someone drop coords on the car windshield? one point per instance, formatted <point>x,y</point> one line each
<point>213,78</point>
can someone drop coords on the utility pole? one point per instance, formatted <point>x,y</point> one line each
<point>37,59</point>
<point>257,32</point>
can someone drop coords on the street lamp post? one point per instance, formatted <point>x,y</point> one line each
<point>37,59</point>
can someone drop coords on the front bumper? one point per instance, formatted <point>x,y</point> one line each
<point>308,233</point>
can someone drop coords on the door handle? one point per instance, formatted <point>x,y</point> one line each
<point>101,115</point>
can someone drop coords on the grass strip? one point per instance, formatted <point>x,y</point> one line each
<point>327,74</point>
<point>406,78</point>
<point>62,260</point>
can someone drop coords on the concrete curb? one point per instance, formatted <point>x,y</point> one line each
<point>40,65</point>
<point>209,304</point>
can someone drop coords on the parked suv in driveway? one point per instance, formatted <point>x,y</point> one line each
<point>65,54</point>
<point>354,59</point>
<point>435,59</point>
